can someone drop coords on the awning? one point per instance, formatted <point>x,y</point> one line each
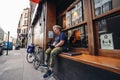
<point>38,12</point>
<point>35,1</point>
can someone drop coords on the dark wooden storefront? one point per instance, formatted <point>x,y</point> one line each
<point>90,65</point>
<point>66,69</point>
<point>97,62</point>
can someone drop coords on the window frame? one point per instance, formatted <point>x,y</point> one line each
<point>103,52</point>
<point>83,22</point>
<point>103,14</point>
<point>93,40</point>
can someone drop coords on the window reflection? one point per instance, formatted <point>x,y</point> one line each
<point>75,15</point>
<point>78,38</point>
<point>102,6</point>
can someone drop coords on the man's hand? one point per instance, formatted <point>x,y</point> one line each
<point>60,43</point>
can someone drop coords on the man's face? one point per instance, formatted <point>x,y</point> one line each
<point>56,31</point>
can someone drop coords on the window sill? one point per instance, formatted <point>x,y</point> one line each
<point>110,64</point>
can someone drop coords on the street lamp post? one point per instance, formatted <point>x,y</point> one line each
<point>8,42</point>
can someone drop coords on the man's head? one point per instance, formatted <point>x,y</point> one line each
<point>57,29</point>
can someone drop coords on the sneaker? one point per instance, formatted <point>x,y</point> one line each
<point>43,68</point>
<point>48,74</point>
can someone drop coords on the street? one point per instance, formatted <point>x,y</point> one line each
<point>15,67</point>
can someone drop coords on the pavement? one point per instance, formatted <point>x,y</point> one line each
<point>14,66</point>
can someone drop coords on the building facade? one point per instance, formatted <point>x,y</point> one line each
<point>95,24</point>
<point>22,30</point>
<point>1,35</point>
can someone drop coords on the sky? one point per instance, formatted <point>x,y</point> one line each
<point>10,12</point>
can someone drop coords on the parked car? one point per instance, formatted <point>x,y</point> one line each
<point>8,45</point>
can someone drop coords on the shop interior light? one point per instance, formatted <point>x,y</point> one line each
<point>75,14</point>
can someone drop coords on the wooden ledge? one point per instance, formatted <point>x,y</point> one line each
<point>106,63</point>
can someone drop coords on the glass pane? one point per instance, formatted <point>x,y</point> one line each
<point>109,34</point>
<point>75,15</point>
<point>102,6</point>
<point>77,37</point>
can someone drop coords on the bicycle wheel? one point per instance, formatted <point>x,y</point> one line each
<point>38,58</point>
<point>36,63</point>
<point>30,57</point>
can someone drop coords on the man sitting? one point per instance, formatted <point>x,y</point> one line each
<point>60,44</point>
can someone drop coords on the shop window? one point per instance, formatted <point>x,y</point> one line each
<point>102,6</point>
<point>73,16</point>
<point>77,37</point>
<point>109,34</point>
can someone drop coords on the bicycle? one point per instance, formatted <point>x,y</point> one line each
<point>38,59</point>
